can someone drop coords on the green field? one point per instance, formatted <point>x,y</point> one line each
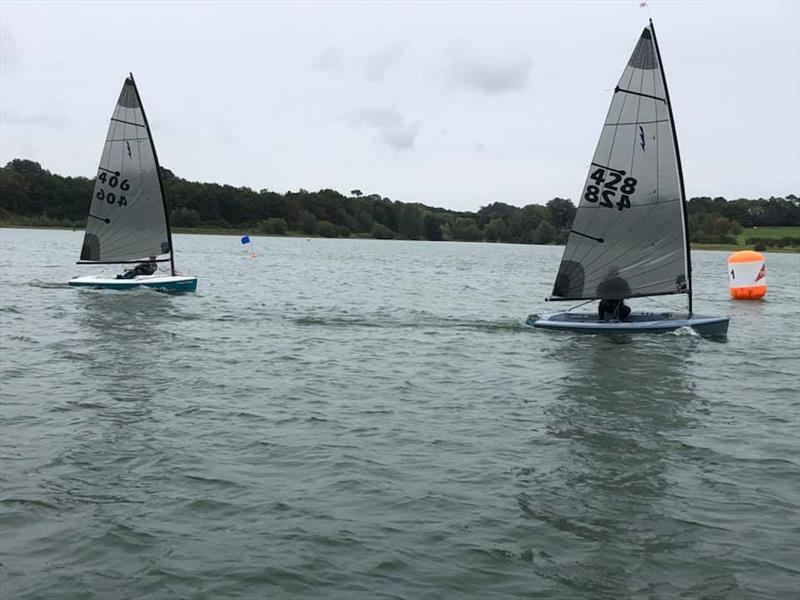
<point>768,232</point>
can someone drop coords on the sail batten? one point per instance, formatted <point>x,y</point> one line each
<point>127,219</point>
<point>627,239</point>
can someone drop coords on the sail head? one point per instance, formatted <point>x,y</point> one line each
<point>628,235</point>
<point>127,219</point>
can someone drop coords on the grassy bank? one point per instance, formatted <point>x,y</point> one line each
<point>773,233</point>
<point>735,248</point>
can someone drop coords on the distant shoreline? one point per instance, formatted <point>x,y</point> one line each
<point>300,234</point>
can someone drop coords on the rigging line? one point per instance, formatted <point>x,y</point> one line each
<point>127,122</point>
<point>563,298</point>
<point>130,139</point>
<point>620,171</point>
<point>579,305</point>
<point>658,202</point>
<point>653,300</point>
<point>634,206</point>
<point>591,237</point>
<point>639,122</point>
<point>103,219</point>
<point>118,262</point>
<point>608,158</point>
<point>108,170</point>
<point>619,89</point>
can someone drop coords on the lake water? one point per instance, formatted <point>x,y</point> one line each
<point>372,419</point>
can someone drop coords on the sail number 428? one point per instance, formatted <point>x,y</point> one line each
<point>606,188</point>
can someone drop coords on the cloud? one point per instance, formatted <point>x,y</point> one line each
<point>9,51</point>
<point>379,62</point>
<point>490,76</point>
<point>50,121</point>
<point>330,59</point>
<point>391,128</point>
<point>227,137</point>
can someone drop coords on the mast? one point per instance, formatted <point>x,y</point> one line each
<point>161,183</point>
<point>684,207</point>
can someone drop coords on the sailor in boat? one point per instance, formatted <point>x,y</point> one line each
<point>612,292</point>
<point>146,268</point>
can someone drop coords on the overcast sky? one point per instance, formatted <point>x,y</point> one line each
<point>449,104</point>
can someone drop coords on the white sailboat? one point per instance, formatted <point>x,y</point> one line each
<point>128,220</point>
<point>630,234</point>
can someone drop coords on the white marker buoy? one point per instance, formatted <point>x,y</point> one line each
<point>747,275</point>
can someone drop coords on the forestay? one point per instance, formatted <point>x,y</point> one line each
<point>127,219</point>
<point>628,238</point>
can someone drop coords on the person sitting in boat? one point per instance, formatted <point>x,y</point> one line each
<point>612,292</point>
<point>146,268</point>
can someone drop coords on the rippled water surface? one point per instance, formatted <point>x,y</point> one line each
<point>370,419</point>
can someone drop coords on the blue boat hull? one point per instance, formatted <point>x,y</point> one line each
<point>162,284</point>
<point>635,323</point>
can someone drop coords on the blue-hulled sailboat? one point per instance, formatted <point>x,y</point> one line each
<point>630,234</point>
<point>128,220</point>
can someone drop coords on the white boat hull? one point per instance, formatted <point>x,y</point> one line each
<point>635,323</point>
<point>164,283</point>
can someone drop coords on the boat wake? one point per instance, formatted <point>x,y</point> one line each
<point>685,331</point>
<point>417,320</point>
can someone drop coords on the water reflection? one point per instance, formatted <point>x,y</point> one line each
<point>129,335</point>
<point>616,424</point>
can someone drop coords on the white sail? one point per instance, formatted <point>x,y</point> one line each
<point>127,218</point>
<point>628,238</point>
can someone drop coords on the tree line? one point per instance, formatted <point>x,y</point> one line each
<point>719,221</point>
<point>32,195</point>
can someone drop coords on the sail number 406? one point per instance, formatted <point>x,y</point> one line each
<point>113,181</point>
<point>605,190</point>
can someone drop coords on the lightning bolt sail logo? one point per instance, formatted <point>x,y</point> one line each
<point>641,137</point>
<point>128,144</point>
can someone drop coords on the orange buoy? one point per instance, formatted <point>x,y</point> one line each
<point>747,275</point>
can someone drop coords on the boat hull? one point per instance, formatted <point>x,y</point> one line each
<point>635,323</point>
<point>162,283</point>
